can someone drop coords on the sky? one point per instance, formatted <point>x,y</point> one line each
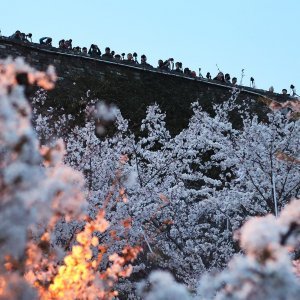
<point>259,36</point>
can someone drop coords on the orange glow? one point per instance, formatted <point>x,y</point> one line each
<point>44,268</point>
<point>127,223</point>
<point>79,277</point>
<point>3,285</point>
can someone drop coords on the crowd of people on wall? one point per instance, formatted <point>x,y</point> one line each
<point>131,58</point>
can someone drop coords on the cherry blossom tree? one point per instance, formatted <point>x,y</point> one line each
<point>187,194</point>
<point>265,271</point>
<point>42,201</point>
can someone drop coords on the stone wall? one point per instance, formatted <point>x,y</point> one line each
<point>131,88</point>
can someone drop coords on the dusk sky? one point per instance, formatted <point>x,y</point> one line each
<point>261,37</point>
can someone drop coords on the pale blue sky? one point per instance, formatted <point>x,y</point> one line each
<point>261,36</point>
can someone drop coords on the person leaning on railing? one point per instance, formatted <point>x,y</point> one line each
<point>144,61</point>
<point>118,57</point>
<point>84,51</point>
<point>165,65</point>
<point>94,51</point>
<point>107,54</point>
<point>47,41</point>
<point>178,67</point>
<point>227,78</point>
<point>24,37</point>
<point>220,77</point>
<point>68,44</point>
<point>129,59</point>
<point>17,35</point>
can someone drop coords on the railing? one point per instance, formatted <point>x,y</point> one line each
<point>67,52</point>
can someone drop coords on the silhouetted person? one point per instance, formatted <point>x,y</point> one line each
<point>178,67</point>
<point>77,50</point>
<point>129,59</point>
<point>94,51</point>
<point>135,57</point>
<point>220,77</point>
<point>193,74</point>
<point>118,57</point>
<point>271,89</point>
<point>107,53</point>
<point>208,76</point>
<point>16,35</point>
<point>164,65</point>
<point>24,37</point>
<point>68,44</point>
<point>46,41</point>
<point>234,81</point>
<point>144,61</point>
<point>62,44</point>
<point>187,72</point>
<point>160,64</point>
<point>293,91</point>
<point>284,92</point>
<point>227,78</point>
<point>84,51</point>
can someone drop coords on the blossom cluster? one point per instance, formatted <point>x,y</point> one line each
<point>186,194</point>
<point>39,196</point>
